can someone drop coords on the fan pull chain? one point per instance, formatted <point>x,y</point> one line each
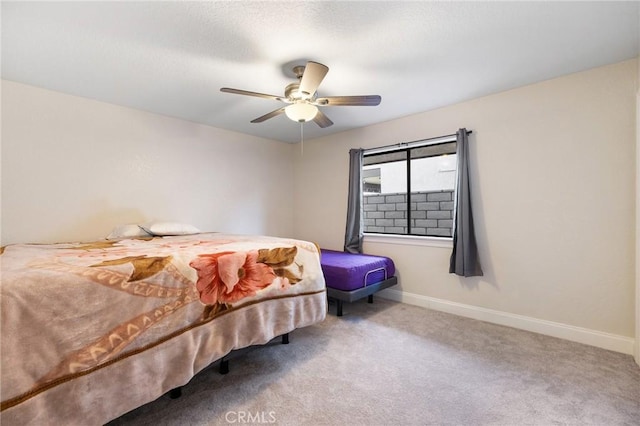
<point>301,138</point>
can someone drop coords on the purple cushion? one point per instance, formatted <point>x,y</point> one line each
<point>346,271</point>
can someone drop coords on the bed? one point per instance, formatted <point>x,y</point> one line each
<point>350,277</point>
<point>91,331</point>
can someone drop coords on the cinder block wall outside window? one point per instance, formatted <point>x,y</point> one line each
<point>431,213</point>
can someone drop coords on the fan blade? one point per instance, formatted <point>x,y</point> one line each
<point>367,100</point>
<point>268,116</point>
<point>246,92</point>
<point>312,77</point>
<point>322,120</point>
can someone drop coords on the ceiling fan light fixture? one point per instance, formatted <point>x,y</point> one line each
<point>302,97</point>
<point>301,112</point>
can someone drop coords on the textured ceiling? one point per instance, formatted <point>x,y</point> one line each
<point>172,58</point>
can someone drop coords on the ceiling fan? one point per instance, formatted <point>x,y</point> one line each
<point>302,97</point>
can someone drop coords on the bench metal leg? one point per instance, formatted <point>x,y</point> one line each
<point>285,339</point>
<point>175,393</point>
<point>339,304</point>
<point>370,298</point>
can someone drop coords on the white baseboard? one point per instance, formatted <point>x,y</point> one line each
<point>599,339</point>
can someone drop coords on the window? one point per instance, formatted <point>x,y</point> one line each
<point>409,190</point>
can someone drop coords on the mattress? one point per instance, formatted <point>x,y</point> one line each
<point>89,331</point>
<point>347,271</point>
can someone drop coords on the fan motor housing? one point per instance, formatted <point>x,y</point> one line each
<point>292,91</point>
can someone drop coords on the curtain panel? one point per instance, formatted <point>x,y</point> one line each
<point>464,258</point>
<point>354,231</point>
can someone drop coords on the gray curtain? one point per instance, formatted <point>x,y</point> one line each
<point>353,233</point>
<point>464,258</point>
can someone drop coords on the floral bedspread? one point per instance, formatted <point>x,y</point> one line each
<point>69,310</point>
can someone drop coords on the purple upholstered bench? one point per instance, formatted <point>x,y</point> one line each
<point>350,277</point>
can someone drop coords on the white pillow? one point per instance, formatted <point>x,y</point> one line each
<point>127,231</point>
<point>169,228</point>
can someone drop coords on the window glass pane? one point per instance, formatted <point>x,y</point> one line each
<point>433,176</point>
<point>385,193</point>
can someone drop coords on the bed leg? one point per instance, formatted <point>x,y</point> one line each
<point>370,298</point>
<point>224,366</point>
<point>285,339</point>
<point>339,305</point>
<point>175,393</point>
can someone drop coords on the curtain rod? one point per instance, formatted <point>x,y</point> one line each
<point>406,144</point>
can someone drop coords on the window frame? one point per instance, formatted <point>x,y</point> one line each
<point>408,238</point>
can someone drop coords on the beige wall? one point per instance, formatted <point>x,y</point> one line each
<point>73,168</point>
<point>553,172</point>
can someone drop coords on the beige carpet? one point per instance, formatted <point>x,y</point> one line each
<point>388,363</point>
